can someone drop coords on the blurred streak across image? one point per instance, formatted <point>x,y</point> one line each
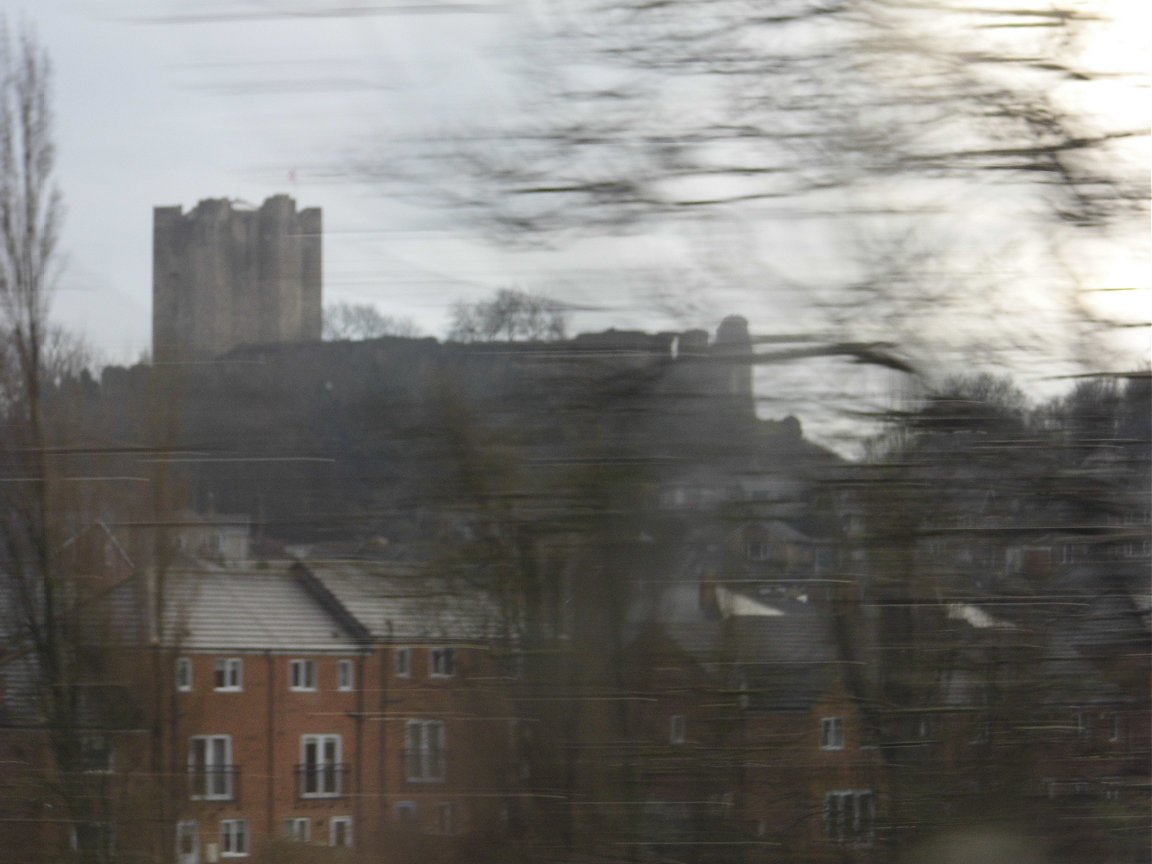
<point>306,585</point>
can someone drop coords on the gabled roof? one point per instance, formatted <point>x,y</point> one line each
<point>399,603</point>
<point>787,662</point>
<point>206,607</point>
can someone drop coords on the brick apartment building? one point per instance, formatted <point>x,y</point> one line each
<point>265,713</point>
<point>356,706</point>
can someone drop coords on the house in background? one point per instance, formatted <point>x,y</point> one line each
<point>445,734</point>
<point>265,718</point>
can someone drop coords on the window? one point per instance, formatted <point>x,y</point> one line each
<point>230,674</point>
<point>1137,550</point>
<point>210,768</point>
<point>849,817</point>
<point>96,754</point>
<point>340,831</point>
<point>443,662</point>
<point>679,729</point>
<point>187,842</point>
<point>1114,731</point>
<point>757,550</point>
<point>320,769</point>
<point>981,733</point>
<point>424,750</point>
<point>1083,724</point>
<point>923,727</point>
<point>403,662</point>
<point>446,818</point>
<point>302,674</point>
<point>827,559</point>
<point>832,733</point>
<point>406,812</point>
<point>184,674</point>
<point>93,837</point>
<point>298,829</point>
<point>512,666</point>
<point>233,838</point>
<point>344,675</point>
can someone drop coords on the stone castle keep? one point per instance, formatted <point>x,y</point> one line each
<point>223,276</point>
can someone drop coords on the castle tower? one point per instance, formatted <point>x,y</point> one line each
<point>223,277</point>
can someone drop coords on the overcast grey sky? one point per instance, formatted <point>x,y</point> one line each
<point>158,112</point>
<point>156,106</point>
<point>163,102</point>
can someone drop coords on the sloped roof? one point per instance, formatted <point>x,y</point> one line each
<point>1067,677</point>
<point>210,608</point>
<point>787,661</point>
<point>398,603</point>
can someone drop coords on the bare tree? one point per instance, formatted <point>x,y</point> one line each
<point>364,321</point>
<point>644,110</point>
<point>48,618</point>
<point>511,316</point>
<point>932,152</point>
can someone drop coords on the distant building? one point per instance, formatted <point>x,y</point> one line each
<point>223,276</point>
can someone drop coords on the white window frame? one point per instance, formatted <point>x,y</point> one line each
<point>184,674</point>
<point>1114,728</point>
<point>302,676</point>
<point>758,550</point>
<point>832,733</point>
<point>325,771</point>
<point>229,675</point>
<point>345,676</point>
<point>298,829</point>
<point>187,829</point>
<point>425,751</point>
<point>442,662</point>
<point>217,767</point>
<point>923,727</point>
<point>861,832</point>
<point>334,825</point>
<point>678,729</point>
<point>1084,723</point>
<point>403,662</point>
<point>234,838</point>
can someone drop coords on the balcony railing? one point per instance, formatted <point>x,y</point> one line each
<point>327,780</point>
<point>214,783</point>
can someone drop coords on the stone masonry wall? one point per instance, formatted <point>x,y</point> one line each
<point>224,277</point>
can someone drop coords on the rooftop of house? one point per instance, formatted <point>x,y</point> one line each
<point>210,608</point>
<point>395,601</point>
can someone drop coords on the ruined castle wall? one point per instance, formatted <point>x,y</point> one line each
<point>310,223</point>
<point>224,277</point>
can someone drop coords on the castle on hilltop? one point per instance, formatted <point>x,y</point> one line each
<point>224,276</point>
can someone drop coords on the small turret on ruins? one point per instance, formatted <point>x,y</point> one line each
<point>224,275</point>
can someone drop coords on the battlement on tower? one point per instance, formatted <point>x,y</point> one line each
<point>224,275</point>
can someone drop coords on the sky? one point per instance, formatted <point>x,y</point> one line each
<point>167,102</point>
<point>152,110</point>
<point>159,106</point>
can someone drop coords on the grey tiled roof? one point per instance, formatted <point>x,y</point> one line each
<point>788,662</point>
<point>209,608</point>
<point>398,603</point>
